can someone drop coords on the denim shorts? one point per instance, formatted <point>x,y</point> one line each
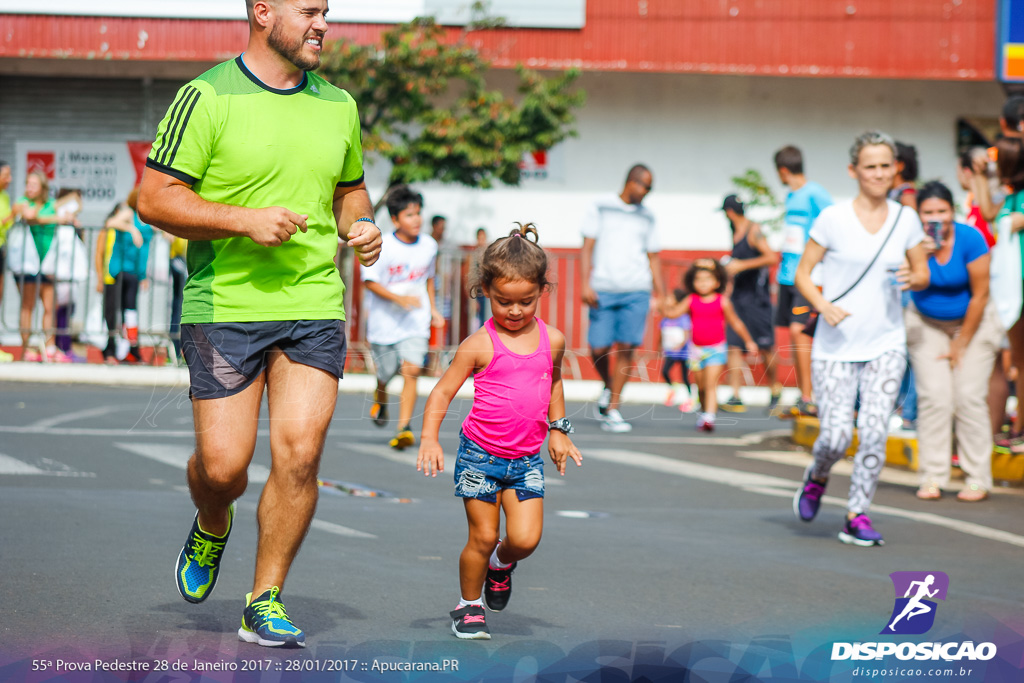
<point>619,317</point>
<point>707,356</point>
<point>480,475</point>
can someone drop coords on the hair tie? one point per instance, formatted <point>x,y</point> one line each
<point>517,234</point>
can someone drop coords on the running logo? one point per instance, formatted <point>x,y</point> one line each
<point>916,592</point>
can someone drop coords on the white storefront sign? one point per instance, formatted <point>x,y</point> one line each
<point>104,172</point>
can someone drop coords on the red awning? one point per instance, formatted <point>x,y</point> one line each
<point>919,39</point>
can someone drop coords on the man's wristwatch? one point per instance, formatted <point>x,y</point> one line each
<point>563,425</point>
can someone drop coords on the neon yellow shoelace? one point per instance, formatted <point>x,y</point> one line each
<point>271,608</point>
<point>205,552</point>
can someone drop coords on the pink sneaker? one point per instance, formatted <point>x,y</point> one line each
<point>31,356</point>
<point>55,355</point>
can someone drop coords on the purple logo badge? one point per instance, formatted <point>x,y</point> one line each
<point>916,592</point>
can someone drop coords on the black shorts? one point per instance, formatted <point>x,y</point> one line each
<point>757,316</point>
<point>792,307</point>
<point>225,358</point>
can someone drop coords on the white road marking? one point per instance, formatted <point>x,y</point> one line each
<point>844,467</point>
<point>329,527</point>
<point>51,468</point>
<point>785,488</point>
<point>9,465</point>
<point>176,456</point>
<point>50,422</point>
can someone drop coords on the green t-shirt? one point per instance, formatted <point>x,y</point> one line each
<point>237,141</point>
<point>6,219</point>
<point>42,234</point>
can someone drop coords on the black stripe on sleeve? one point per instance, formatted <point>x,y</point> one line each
<point>184,125</point>
<point>167,170</point>
<point>351,183</point>
<point>160,150</point>
<point>160,146</point>
<point>174,130</point>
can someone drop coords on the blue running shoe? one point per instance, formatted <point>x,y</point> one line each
<point>199,561</point>
<point>266,623</point>
<point>858,531</point>
<point>808,498</point>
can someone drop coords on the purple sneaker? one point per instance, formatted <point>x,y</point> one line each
<point>858,531</point>
<point>808,498</point>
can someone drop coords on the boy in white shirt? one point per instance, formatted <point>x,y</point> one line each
<point>400,308</point>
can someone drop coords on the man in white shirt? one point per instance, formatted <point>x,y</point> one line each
<point>621,272</point>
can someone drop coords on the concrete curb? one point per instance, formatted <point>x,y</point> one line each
<point>577,391</point>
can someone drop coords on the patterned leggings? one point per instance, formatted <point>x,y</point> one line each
<point>836,385</point>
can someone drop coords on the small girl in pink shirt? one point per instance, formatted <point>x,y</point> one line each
<point>515,360</point>
<point>710,311</point>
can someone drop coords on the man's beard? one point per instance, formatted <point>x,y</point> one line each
<point>292,51</point>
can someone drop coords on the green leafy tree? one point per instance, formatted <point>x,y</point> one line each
<point>755,194</point>
<point>425,107</point>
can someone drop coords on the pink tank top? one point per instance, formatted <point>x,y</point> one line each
<point>511,397</point>
<point>708,321</point>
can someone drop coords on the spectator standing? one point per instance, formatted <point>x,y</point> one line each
<point>806,199</point>
<point>675,348</point>
<point>6,222</point>
<point>860,341</point>
<point>1010,166</point>
<point>401,309</point>
<point>620,271</point>
<point>123,271</point>
<point>36,210</point>
<point>70,267</point>
<point>483,307</point>
<point>972,171</point>
<point>264,302</point>
<point>748,266</point>
<point>904,185</point>
<point>179,274</point>
<point>953,336</point>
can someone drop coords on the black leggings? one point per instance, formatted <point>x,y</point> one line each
<point>666,369</point>
<point>119,297</point>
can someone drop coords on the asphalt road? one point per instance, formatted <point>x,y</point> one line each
<point>668,552</point>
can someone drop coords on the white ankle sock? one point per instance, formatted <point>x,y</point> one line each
<point>479,602</point>
<point>495,562</point>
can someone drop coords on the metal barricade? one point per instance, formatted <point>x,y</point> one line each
<point>68,294</point>
<point>77,310</point>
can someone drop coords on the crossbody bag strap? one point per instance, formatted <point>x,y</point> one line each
<point>877,254</point>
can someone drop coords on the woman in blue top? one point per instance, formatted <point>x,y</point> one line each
<point>125,272</point>
<point>953,336</point>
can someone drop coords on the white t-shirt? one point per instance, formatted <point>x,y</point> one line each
<point>402,269</point>
<point>875,323</point>
<point>625,234</point>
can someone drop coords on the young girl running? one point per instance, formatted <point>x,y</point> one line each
<point>709,311</point>
<point>515,360</point>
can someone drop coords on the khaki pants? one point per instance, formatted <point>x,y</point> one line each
<point>949,398</point>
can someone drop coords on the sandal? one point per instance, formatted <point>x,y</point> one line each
<point>31,356</point>
<point>972,494</point>
<point>929,492</point>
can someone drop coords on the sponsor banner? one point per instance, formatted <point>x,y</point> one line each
<point>104,172</point>
<point>1010,41</point>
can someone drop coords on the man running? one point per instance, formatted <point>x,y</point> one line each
<point>259,165</point>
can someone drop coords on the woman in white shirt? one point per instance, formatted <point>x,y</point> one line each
<point>870,249</point>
